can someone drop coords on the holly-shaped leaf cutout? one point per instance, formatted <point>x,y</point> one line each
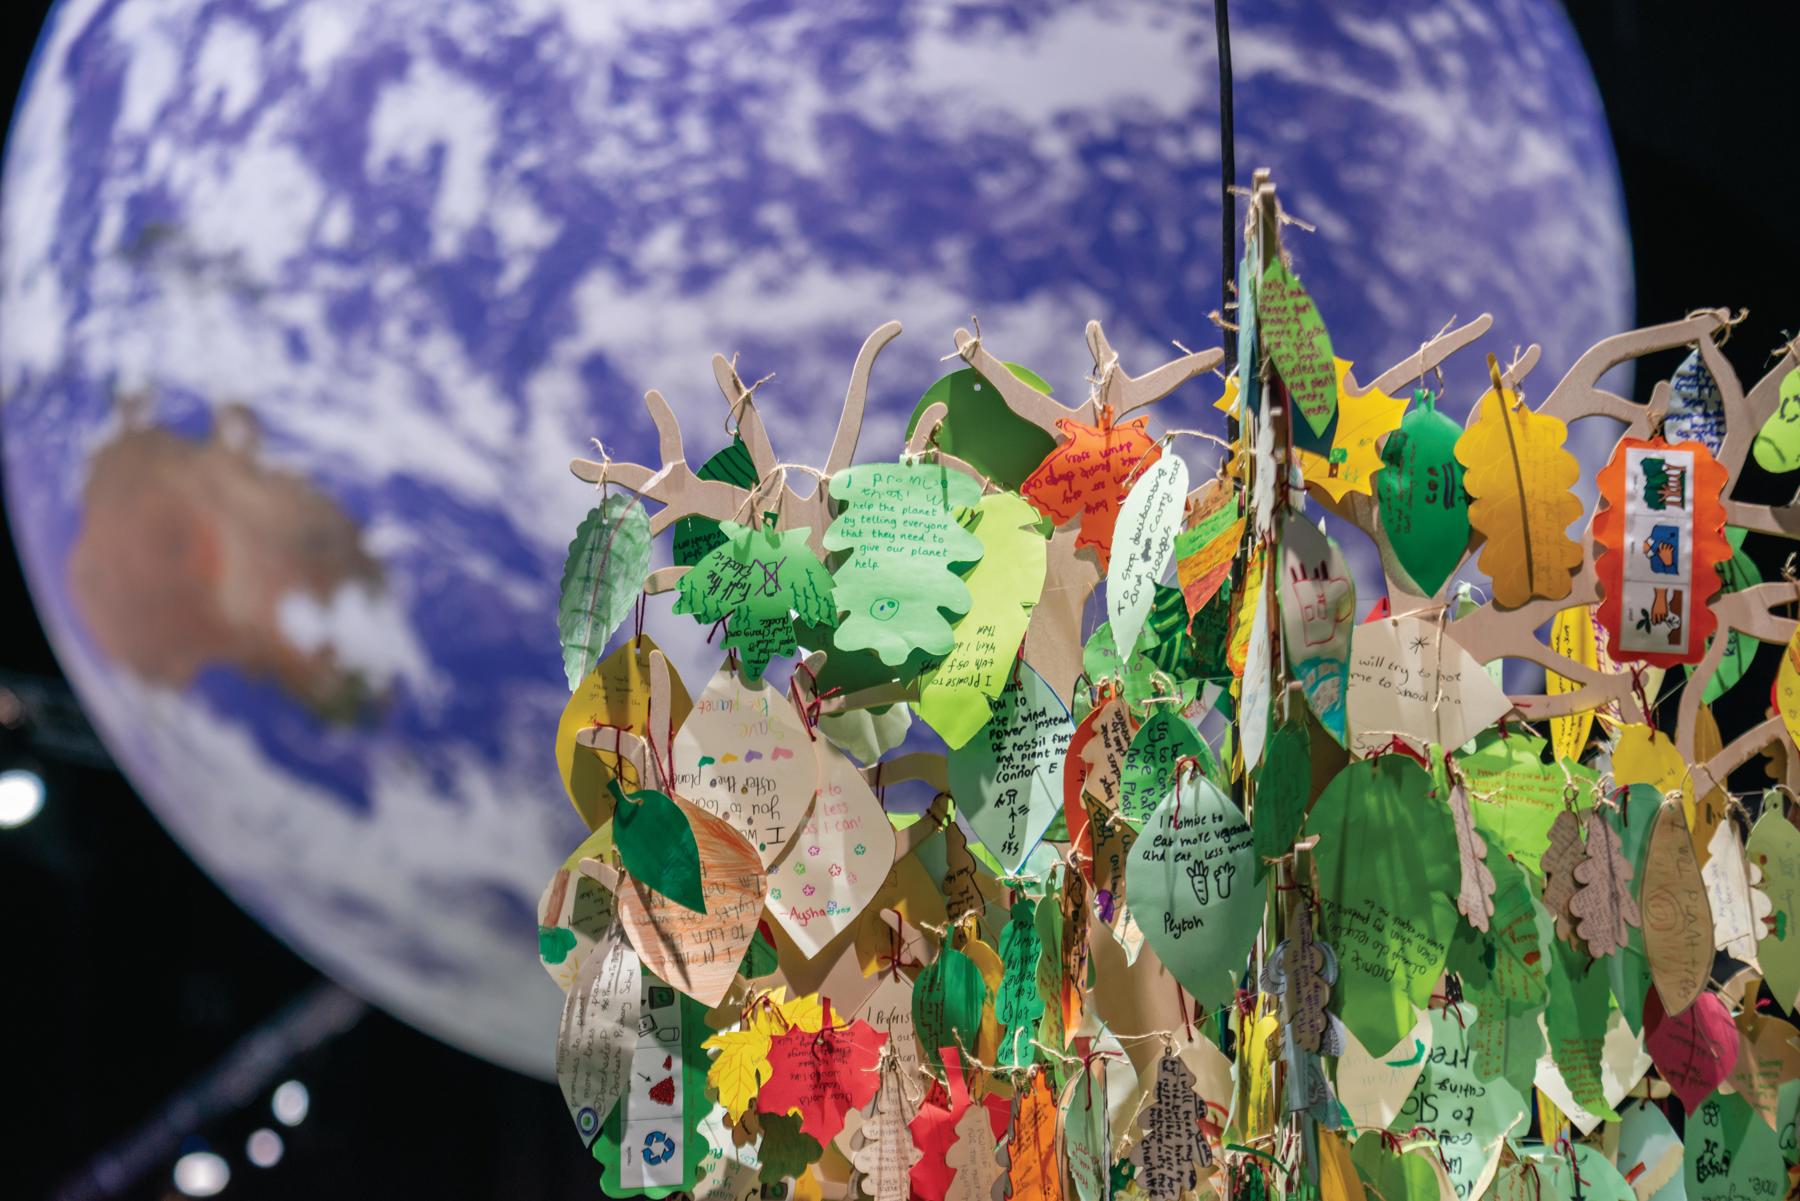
<point>1033,1168</point>
<point>601,580</point>
<point>1419,490</point>
<point>898,521</point>
<point>973,1157</point>
<point>657,845</point>
<point>757,582</point>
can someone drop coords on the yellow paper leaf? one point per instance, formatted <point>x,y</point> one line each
<point>1518,478</point>
<point>1338,1180</point>
<point>1646,756</point>
<point>737,1073</point>
<point>1572,636</point>
<point>1363,419</point>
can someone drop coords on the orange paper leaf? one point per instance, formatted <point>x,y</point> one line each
<point>1085,476</point>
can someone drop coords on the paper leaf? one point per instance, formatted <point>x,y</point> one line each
<point>1506,1035</point>
<point>1396,1175</point>
<point>698,953</point>
<point>1518,478</point>
<point>1475,896</point>
<point>1694,1050</point>
<point>1411,677</point>
<point>1678,924</point>
<point>787,1151</point>
<point>981,429</point>
<point>898,523</point>
<point>1294,337</point>
<point>616,694</point>
<point>1191,880</point>
<point>1470,1115</point>
<point>757,582</point>
<point>745,756</point>
<point>1317,594</point>
<point>1351,462</point>
<point>1205,549</point>
<point>1283,786</point>
<point>1033,1170</point>
<point>962,892</point>
<point>1372,1085</point>
<point>1696,411</point>
<point>1572,635</point>
<point>1173,1149</point>
<point>1084,477</point>
<point>1657,537</point>
<point>1143,539</point>
<point>1577,1024</point>
<point>1087,1136</point>
<point>1738,907</point>
<point>1602,903</point>
<point>602,576</point>
<point>1148,771</point>
<point>1004,587</point>
<point>739,1068</point>
<point>1007,779</point>
<point>1729,1154</point>
<point>973,1157</point>
<point>1419,491</point>
<point>889,1010</point>
<point>837,862</point>
<point>1774,850</point>
<point>652,1145</point>
<point>598,1034</point>
<point>1301,972</point>
<point>1777,445</point>
<point>656,844</point>
<point>1386,862</point>
<point>1559,863</point>
<point>822,1075</point>
<point>1768,1058</point>
<point>1018,1006</point>
<point>887,1155</point>
<point>694,537</point>
<point>1091,787</point>
<point>947,1000</point>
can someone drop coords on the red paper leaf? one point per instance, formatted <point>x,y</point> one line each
<point>822,1076</point>
<point>1694,1050</point>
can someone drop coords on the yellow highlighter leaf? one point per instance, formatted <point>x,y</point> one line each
<point>1003,587</point>
<point>1518,477</point>
<point>1572,636</point>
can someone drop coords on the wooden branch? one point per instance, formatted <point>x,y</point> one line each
<point>856,397</point>
<point>1430,355</point>
<point>1579,395</point>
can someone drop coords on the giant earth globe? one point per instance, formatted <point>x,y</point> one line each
<point>308,303</point>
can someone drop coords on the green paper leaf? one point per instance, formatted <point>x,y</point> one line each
<point>758,582</point>
<point>1420,493</point>
<point>1003,587</point>
<point>896,587</point>
<point>1580,1005</point>
<point>1735,574</point>
<point>1283,783</point>
<point>1087,1135</point>
<point>760,959</point>
<point>695,537</point>
<point>1469,1113</point>
<point>657,845</point>
<point>672,1029</point>
<point>785,1152</point>
<point>947,1000</point>
<point>1774,847</point>
<point>1190,880</point>
<point>1731,1154</point>
<point>602,578</point>
<point>1294,337</point>
<point>1777,445</point>
<point>1392,1175</point>
<point>1557,1178</point>
<point>1388,868</point>
<point>1018,1007</point>
<point>1007,779</point>
<point>1148,771</point>
<point>1515,795</point>
<point>1628,969</point>
<point>1512,986</point>
<point>981,429</point>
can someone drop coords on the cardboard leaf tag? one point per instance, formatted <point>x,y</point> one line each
<point>1007,779</point>
<point>1475,896</point>
<point>1774,850</point>
<point>602,576</point>
<point>821,1075</point>
<point>1420,493</point>
<point>757,582</point>
<point>1148,772</point>
<point>1033,1167</point>
<point>1518,477</point>
<point>1649,1153</point>
<point>1087,1134</point>
<point>1678,924</point>
<point>1777,445</point>
<point>1018,1005</point>
<point>1694,1050</point>
<point>1191,879</point>
<point>1408,676</point>
<point>598,1034</point>
<point>1657,539</point>
<point>947,1002</point>
<point>657,846</point>
<point>1387,871</point>
<point>1205,549</point>
<point>1738,906</point>
<point>1294,336</point>
<point>1602,904</point>
<point>836,863</point>
<point>885,1160</point>
<point>1003,589</point>
<point>1318,609</point>
<point>898,524</point>
<point>1084,477</point>
<point>574,913</point>
<point>1696,410</point>
<point>1729,1154</point>
<point>1470,1115</point>
<point>698,952</point>
<point>615,694</point>
<point>745,755</point>
<point>1565,853</point>
<point>973,1157</point>
<point>1149,518</point>
<point>1173,1149</point>
<point>1768,1058</point>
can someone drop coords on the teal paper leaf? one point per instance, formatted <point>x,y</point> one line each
<point>602,578</point>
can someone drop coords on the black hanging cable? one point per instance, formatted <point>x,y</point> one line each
<point>1227,178</point>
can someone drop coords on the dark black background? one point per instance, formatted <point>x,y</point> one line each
<point>127,974</point>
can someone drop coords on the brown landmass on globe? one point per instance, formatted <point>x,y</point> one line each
<point>188,548</point>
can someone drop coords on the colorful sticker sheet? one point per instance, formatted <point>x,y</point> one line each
<point>1058,813</point>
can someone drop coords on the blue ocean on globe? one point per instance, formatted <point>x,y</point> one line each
<point>308,303</point>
